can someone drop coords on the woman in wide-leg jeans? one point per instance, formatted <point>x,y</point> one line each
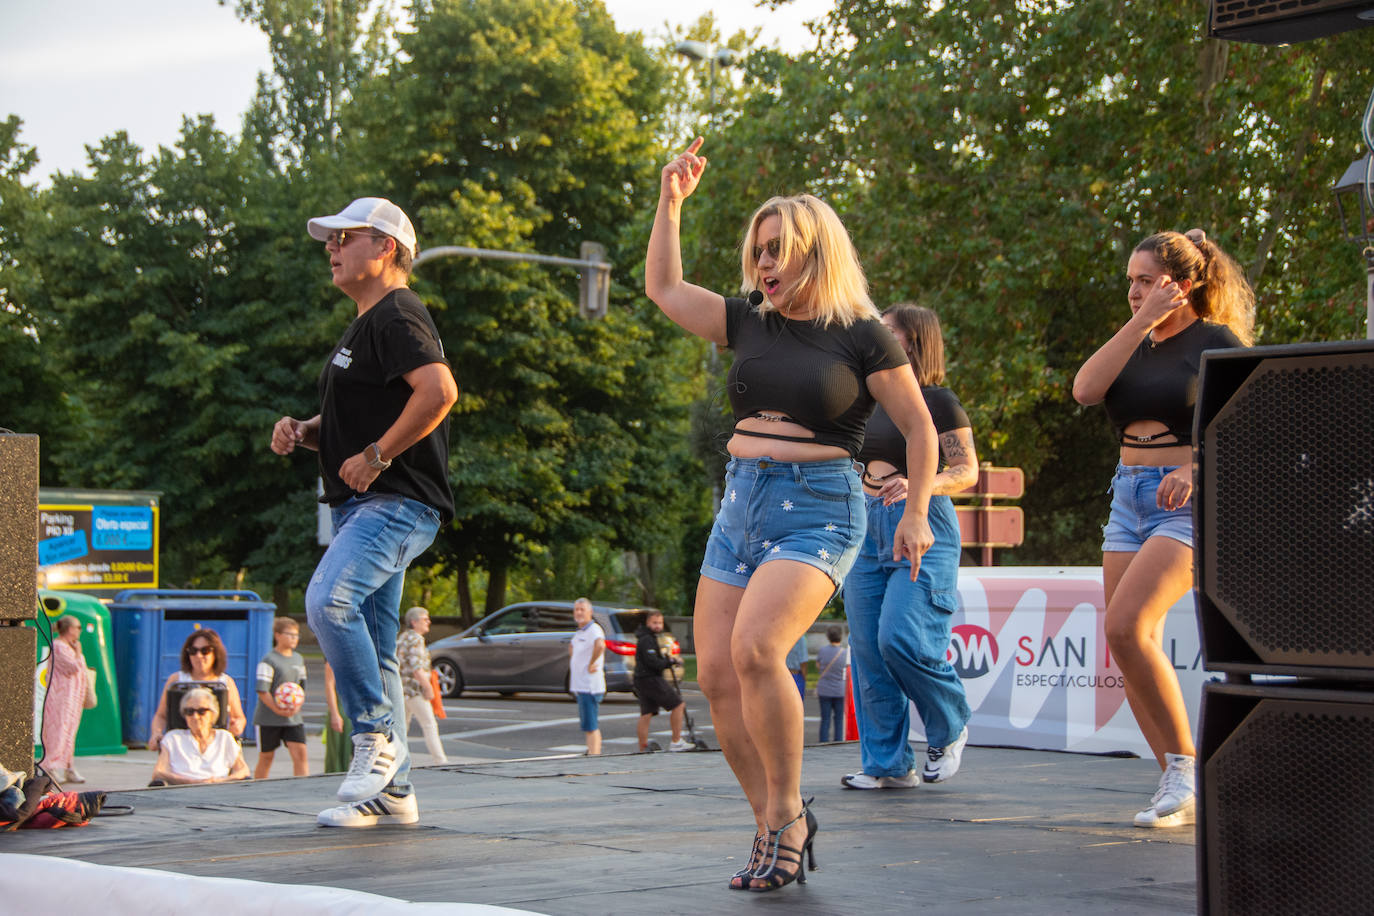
<point>899,629</point>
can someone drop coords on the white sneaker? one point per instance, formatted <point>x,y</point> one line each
<point>681,744</point>
<point>1180,818</point>
<point>943,762</point>
<point>1176,785</point>
<point>73,776</point>
<point>382,809</point>
<point>374,764</point>
<point>864,781</point>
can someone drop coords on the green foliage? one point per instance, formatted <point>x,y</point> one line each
<point>33,398</point>
<point>168,325</point>
<point>996,161</point>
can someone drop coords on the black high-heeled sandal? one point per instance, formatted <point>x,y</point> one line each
<point>739,881</point>
<point>772,874</point>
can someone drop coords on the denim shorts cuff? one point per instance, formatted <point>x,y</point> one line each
<point>824,566</point>
<point>726,578</point>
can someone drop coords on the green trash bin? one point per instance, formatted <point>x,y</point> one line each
<point>100,731</point>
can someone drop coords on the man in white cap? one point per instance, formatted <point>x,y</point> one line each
<point>382,438</point>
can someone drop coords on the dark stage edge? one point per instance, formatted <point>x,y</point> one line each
<point>1015,832</point>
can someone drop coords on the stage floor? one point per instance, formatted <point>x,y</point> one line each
<point>1015,832</point>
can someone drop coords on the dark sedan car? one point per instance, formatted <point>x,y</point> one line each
<point>524,647</point>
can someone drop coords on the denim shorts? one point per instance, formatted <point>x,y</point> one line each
<point>587,703</point>
<point>808,511</point>
<point>1135,514</point>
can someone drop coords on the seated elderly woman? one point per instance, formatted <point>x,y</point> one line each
<point>200,752</point>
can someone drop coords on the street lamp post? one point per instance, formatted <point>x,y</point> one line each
<point>1356,189</point>
<point>715,57</point>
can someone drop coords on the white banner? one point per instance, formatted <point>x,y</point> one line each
<point>1029,643</point>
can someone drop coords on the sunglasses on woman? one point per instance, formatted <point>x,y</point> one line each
<point>200,650</point>
<point>198,711</point>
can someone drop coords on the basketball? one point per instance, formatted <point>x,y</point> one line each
<point>289,695</point>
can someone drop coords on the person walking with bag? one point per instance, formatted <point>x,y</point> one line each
<point>65,702</point>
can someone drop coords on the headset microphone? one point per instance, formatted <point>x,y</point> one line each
<point>756,298</point>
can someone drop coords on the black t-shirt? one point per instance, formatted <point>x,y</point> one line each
<point>883,441</point>
<point>363,391</point>
<point>815,375</point>
<point>1159,381</point>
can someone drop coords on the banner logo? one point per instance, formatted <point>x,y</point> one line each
<point>972,650</point>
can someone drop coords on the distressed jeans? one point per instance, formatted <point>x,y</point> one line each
<point>353,607</point>
<point>899,639</point>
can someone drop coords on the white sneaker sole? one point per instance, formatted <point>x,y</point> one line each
<point>370,813</point>
<point>1183,817</point>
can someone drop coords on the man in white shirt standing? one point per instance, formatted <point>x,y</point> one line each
<point>587,675</point>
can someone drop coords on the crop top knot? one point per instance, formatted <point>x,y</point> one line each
<point>816,376</point>
<point>1159,382</point>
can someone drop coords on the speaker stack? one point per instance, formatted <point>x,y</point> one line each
<point>18,597</point>
<point>1284,551</point>
<point>1282,22</point>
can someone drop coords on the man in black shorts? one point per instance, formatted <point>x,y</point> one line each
<point>655,693</point>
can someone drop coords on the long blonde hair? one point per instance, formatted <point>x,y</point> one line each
<point>832,282</point>
<point>1220,292</point>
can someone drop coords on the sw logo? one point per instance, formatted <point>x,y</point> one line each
<point>972,650</point>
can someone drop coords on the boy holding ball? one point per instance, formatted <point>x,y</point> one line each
<point>281,693</point>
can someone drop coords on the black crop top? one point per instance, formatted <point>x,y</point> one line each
<point>814,375</point>
<point>1159,382</point>
<point>883,441</point>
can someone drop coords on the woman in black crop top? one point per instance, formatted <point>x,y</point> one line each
<point>1186,295</point>
<point>899,629</point>
<point>811,360</point>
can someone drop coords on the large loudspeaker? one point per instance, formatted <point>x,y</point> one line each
<point>1281,22</point>
<point>18,647</point>
<point>1286,800</point>
<point>18,526</point>
<point>1284,519</point>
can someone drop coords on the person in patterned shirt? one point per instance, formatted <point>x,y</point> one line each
<point>414,661</point>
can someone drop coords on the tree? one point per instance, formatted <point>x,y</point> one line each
<point>527,125</point>
<point>996,161</point>
<point>167,317</point>
<point>33,394</point>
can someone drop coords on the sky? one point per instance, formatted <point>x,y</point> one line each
<point>77,71</point>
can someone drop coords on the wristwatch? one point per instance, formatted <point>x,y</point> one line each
<point>374,458</point>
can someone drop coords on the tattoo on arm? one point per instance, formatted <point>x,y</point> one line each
<point>952,447</point>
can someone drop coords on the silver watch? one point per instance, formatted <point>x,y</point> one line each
<point>373,454</point>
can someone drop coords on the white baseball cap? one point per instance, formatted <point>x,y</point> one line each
<point>373,212</point>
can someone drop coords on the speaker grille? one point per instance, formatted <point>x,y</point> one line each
<point>1287,803</point>
<point>1291,510</point>
<point>1242,12</point>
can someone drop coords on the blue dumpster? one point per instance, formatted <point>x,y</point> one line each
<point>151,625</point>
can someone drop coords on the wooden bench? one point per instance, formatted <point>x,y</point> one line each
<point>988,526</point>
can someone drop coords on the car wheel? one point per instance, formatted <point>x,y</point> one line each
<point>450,678</point>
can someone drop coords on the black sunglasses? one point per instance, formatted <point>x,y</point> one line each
<point>340,237</point>
<point>201,650</point>
<point>198,711</point>
<point>773,246</point>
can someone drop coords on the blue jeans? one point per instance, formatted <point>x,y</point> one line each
<point>832,711</point>
<point>353,607</point>
<point>899,639</point>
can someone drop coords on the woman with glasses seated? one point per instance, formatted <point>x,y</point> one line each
<point>202,661</point>
<point>199,752</point>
